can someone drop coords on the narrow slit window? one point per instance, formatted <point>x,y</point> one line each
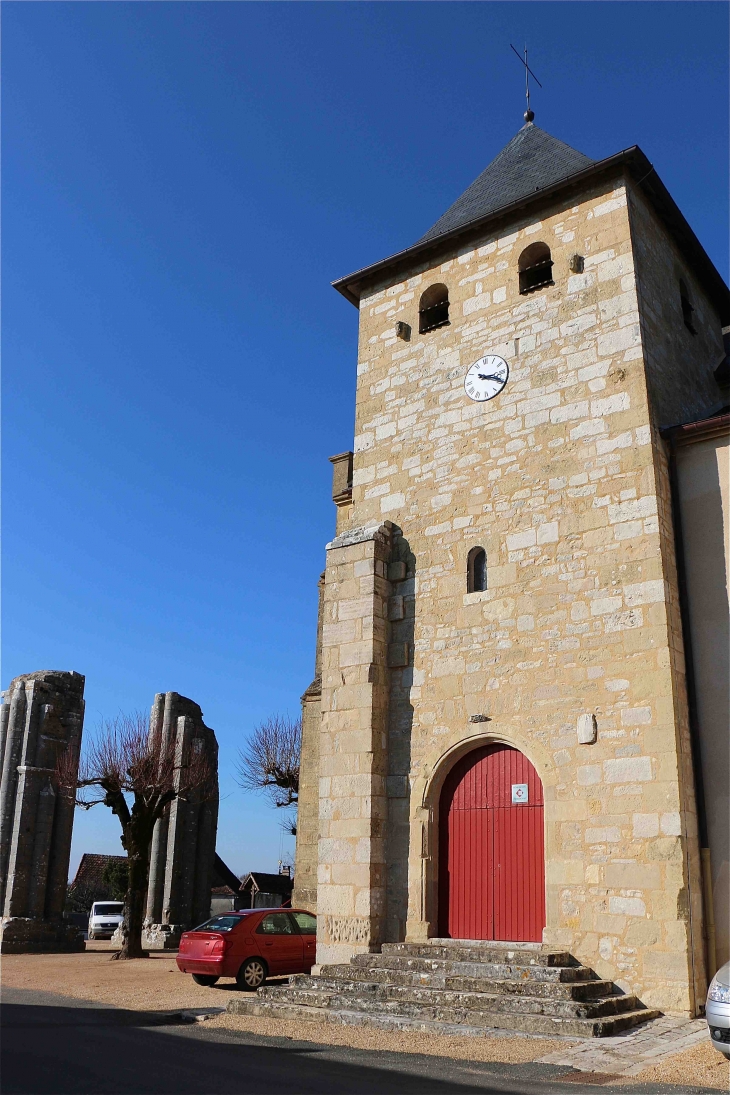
<point>535,268</point>
<point>433,310</point>
<point>476,571</point>
<point>687,308</point>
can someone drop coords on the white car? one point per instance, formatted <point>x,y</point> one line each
<point>717,1010</point>
<point>104,919</point>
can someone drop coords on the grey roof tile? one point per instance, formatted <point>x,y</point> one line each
<point>532,160</point>
<point>268,883</point>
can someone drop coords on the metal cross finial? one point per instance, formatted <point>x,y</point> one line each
<point>529,114</point>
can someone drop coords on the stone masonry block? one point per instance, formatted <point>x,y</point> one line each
<point>396,571</point>
<point>633,876</point>
<point>396,608</point>
<point>397,654</point>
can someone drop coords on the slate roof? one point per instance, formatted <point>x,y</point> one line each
<point>268,883</point>
<point>223,876</point>
<point>531,161</point>
<point>531,171</point>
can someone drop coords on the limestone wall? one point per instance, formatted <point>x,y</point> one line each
<point>703,473</point>
<point>304,895</point>
<point>671,352</point>
<point>559,479</point>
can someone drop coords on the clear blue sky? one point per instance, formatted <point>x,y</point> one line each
<point>181,183</point>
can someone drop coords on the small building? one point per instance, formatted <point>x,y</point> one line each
<point>266,891</point>
<point>225,895</point>
<point>88,885</point>
<point>88,879</point>
<point>223,899</point>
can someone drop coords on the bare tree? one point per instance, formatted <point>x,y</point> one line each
<point>270,762</point>
<point>137,774</point>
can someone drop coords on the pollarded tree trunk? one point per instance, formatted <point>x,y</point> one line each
<point>134,901</point>
<point>137,828</point>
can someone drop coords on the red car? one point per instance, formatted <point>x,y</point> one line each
<point>250,945</point>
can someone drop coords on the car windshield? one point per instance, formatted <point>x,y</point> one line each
<point>112,908</point>
<point>219,924</point>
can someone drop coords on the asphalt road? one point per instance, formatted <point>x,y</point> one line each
<point>56,1045</point>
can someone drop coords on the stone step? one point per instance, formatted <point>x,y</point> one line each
<point>572,990</point>
<point>464,950</point>
<point>457,986</point>
<point>556,990</point>
<point>449,1021</point>
<point>446,966</point>
<point>419,1002</point>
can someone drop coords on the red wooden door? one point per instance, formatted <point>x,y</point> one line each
<point>491,852</point>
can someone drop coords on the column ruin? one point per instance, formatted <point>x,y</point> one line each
<point>42,715</point>
<point>183,844</point>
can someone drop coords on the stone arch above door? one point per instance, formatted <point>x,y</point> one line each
<point>491,869</point>
<point>427,783</point>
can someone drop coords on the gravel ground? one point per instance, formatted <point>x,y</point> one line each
<point>508,1049</point>
<point>153,983</point>
<point>157,984</point>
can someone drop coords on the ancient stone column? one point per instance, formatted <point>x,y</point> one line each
<point>183,844</point>
<point>207,823</point>
<point>42,716</point>
<point>163,720</point>
<point>353,804</point>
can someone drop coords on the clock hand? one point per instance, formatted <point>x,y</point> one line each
<point>492,376</point>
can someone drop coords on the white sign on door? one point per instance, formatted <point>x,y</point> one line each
<point>519,794</point>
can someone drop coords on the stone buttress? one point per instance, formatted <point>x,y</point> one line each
<point>351,898</point>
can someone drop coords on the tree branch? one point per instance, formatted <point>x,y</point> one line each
<point>271,760</point>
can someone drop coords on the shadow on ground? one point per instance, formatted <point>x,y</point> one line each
<point>54,1045</point>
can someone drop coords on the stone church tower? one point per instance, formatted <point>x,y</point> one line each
<point>496,744</point>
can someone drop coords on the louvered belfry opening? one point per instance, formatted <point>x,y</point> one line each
<point>535,268</point>
<point>491,848</point>
<point>433,310</point>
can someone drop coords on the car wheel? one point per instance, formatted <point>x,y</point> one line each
<point>252,974</point>
<point>89,935</point>
<point>207,979</point>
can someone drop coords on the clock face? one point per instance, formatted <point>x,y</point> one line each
<point>486,378</point>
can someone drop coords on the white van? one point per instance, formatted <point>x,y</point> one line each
<point>104,919</point>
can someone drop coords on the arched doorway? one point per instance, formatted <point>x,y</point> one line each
<point>491,848</point>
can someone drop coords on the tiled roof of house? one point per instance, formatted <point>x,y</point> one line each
<point>531,161</point>
<point>91,868</point>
